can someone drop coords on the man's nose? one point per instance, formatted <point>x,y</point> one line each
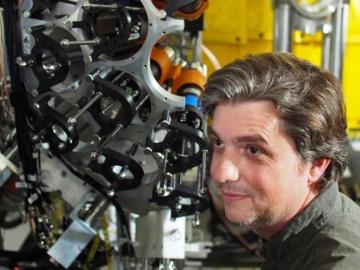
<point>223,168</point>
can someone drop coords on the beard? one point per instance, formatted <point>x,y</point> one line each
<point>260,221</point>
<point>257,216</point>
<point>255,221</point>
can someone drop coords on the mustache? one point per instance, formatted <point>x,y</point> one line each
<point>233,187</point>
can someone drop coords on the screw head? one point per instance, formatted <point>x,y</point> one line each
<point>147,150</point>
<point>100,159</point>
<point>183,117</point>
<point>160,191</point>
<point>26,13</point>
<point>71,121</point>
<point>69,24</point>
<point>202,190</point>
<point>94,155</point>
<point>196,220</point>
<point>196,122</point>
<point>34,92</point>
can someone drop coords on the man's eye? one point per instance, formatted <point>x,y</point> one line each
<point>217,143</point>
<point>253,150</point>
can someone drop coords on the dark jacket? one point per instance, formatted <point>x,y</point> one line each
<point>326,235</point>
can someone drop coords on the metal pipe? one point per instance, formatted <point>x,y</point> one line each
<point>202,177</point>
<point>339,22</point>
<point>105,110</point>
<point>117,77</point>
<point>12,152</point>
<point>72,120</point>
<point>141,102</point>
<point>326,45</point>
<point>197,47</point>
<point>71,2</point>
<point>87,5</point>
<point>282,27</point>
<point>106,141</point>
<point>67,43</point>
<point>134,8</point>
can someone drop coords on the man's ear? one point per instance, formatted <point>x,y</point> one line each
<point>317,169</point>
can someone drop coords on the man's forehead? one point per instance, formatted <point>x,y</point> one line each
<point>261,138</point>
<point>252,120</point>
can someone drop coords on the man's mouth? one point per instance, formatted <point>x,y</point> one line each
<point>229,196</point>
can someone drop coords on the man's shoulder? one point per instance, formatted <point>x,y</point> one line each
<point>348,206</point>
<point>330,239</point>
<point>337,244</point>
<point>345,222</point>
<point>335,247</point>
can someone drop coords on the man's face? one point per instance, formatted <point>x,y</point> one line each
<point>260,174</point>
